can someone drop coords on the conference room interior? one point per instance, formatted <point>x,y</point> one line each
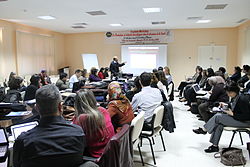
<point>67,43</point>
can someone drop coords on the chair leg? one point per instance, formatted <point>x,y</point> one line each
<point>164,148</point>
<point>153,140</point>
<point>241,139</point>
<point>140,154</point>
<point>232,139</point>
<point>151,146</point>
<point>141,142</point>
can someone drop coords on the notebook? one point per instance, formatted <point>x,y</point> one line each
<point>4,143</point>
<point>16,130</point>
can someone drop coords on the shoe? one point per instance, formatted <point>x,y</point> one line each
<point>199,131</point>
<point>182,100</point>
<point>212,149</point>
<point>198,116</point>
<point>187,104</point>
<point>189,109</point>
<point>201,119</point>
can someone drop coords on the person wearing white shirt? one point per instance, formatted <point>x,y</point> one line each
<point>147,100</point>
<point>74,78</point>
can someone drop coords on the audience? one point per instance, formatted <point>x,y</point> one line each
<point>13,94</point>
<point>74,78</point>
<point>101,73</point>
<point>45,79</point>
<point>95,122</point>
<point>236,115</point>
<point>11,76</point>
<point>119,107</point>
<point>147,100</point>
<point>223,71</point>
<point>53,142</point>
<point>61,82</point>
<point>93,75</point>
<point>83,75</point>
<point>244,79</point>
<point>162,83</point>
<point>30,92</point>
<point>106,72</point>
<point>237,74</point>
<point>168,75</point>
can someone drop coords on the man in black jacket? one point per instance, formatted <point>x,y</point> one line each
<point>114,67</point>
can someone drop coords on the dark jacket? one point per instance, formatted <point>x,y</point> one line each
<point>242,108</point>
<point>168,122</point>
<point>94,78</point>
<point>12,96</point>
<point>235,77</point>
<point>114,67</point>
<point>218,94</point>
<point>243,80</point>
<point>61,84</point>
<point>30,92</point>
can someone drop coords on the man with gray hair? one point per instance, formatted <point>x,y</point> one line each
<point>53,142</point>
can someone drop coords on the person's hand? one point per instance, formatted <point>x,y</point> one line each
<point>222,104</point>
<point>229,112</point>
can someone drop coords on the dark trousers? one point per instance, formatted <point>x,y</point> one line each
<point>204,111</point>
<point>182,86</point>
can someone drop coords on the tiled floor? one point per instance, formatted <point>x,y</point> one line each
<point>184,148</point>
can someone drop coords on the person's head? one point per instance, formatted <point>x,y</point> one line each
<point>48,101</point>
<point>232,89</point>
<point>114,91</point>
<point>84,72</point>
<point>161,76</point>
<point>115,58</point>
<point>35,80</point>
<point>145,79</point>
<point>160,68</point>
<point>106,69</point>
<point>78,73</point>
<point>237,69</point>
<point>101,69</point>
<point>63,76</point>
<point>154,70</point>
<point>222,69</point>
<point>85,103</point>
<point>204,73</point>
<point>137,83</point>
<point>210,72</point>
<point>214,80</point>
<point>246,69</point>
<point>12,75</point>
<point>15,83</point>
<point>93,71</point>
<point>219,73</point>
<point>44,73</point>
<point>167,70</point>
<point>198,69</point>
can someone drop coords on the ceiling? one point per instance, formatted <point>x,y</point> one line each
<point>127,12</point>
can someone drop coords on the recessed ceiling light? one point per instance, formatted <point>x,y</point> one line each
<point>78,26</point>
<point>203,21</point>
<point>194,18</point>
<point>116,25</point>
<point>158,22</point>
<point>216,6</point>
<point>46,17</point>
<point>152,10</point>
<point>96,13</point>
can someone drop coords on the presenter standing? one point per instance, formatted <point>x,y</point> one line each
<point>114,67</point>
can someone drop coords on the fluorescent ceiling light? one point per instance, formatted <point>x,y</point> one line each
<point>116,25</point>
<point>203,21</point>
<point>152,10</point>
<point>46,17</point>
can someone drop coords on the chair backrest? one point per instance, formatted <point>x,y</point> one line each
<point>158,116</point>
<point>170,88</point>
<point>136,126</point>
<point>117,153</point>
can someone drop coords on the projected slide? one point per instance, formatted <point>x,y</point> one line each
<point>142,58</point>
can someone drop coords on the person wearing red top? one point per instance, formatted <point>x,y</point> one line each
<point>95,122</point>
<point>101,74</point>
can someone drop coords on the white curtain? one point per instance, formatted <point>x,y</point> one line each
<point>2,70</point>
<point>34,53</point>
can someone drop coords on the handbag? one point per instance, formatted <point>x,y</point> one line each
<point>231,156</point>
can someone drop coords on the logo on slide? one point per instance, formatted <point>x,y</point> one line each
<point>108,34</point>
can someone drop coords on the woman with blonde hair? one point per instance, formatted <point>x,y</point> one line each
<point>95,122</point>
<point>119,106</point>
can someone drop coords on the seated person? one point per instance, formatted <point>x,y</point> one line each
<point>45,79</point>
<point>101,73</point>
<point>93,75</point>
<point>162,82</point>
<point>130,94</point>
<point>147,100</point>
<point>237,74</point>
<point>236,115</point>
<point>119,107</point>
<point>61,82</point>
<point>106,72</point>
<point>74,78</point>
<point>13,94</point>
<point>244,79</point>
<point>83,75</point>
<point>53,142</point>
<point>11,76</point>
<point>30,92</point>
<point>95,122</point>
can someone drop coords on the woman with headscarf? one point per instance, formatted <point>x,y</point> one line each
<point>119,107</point>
